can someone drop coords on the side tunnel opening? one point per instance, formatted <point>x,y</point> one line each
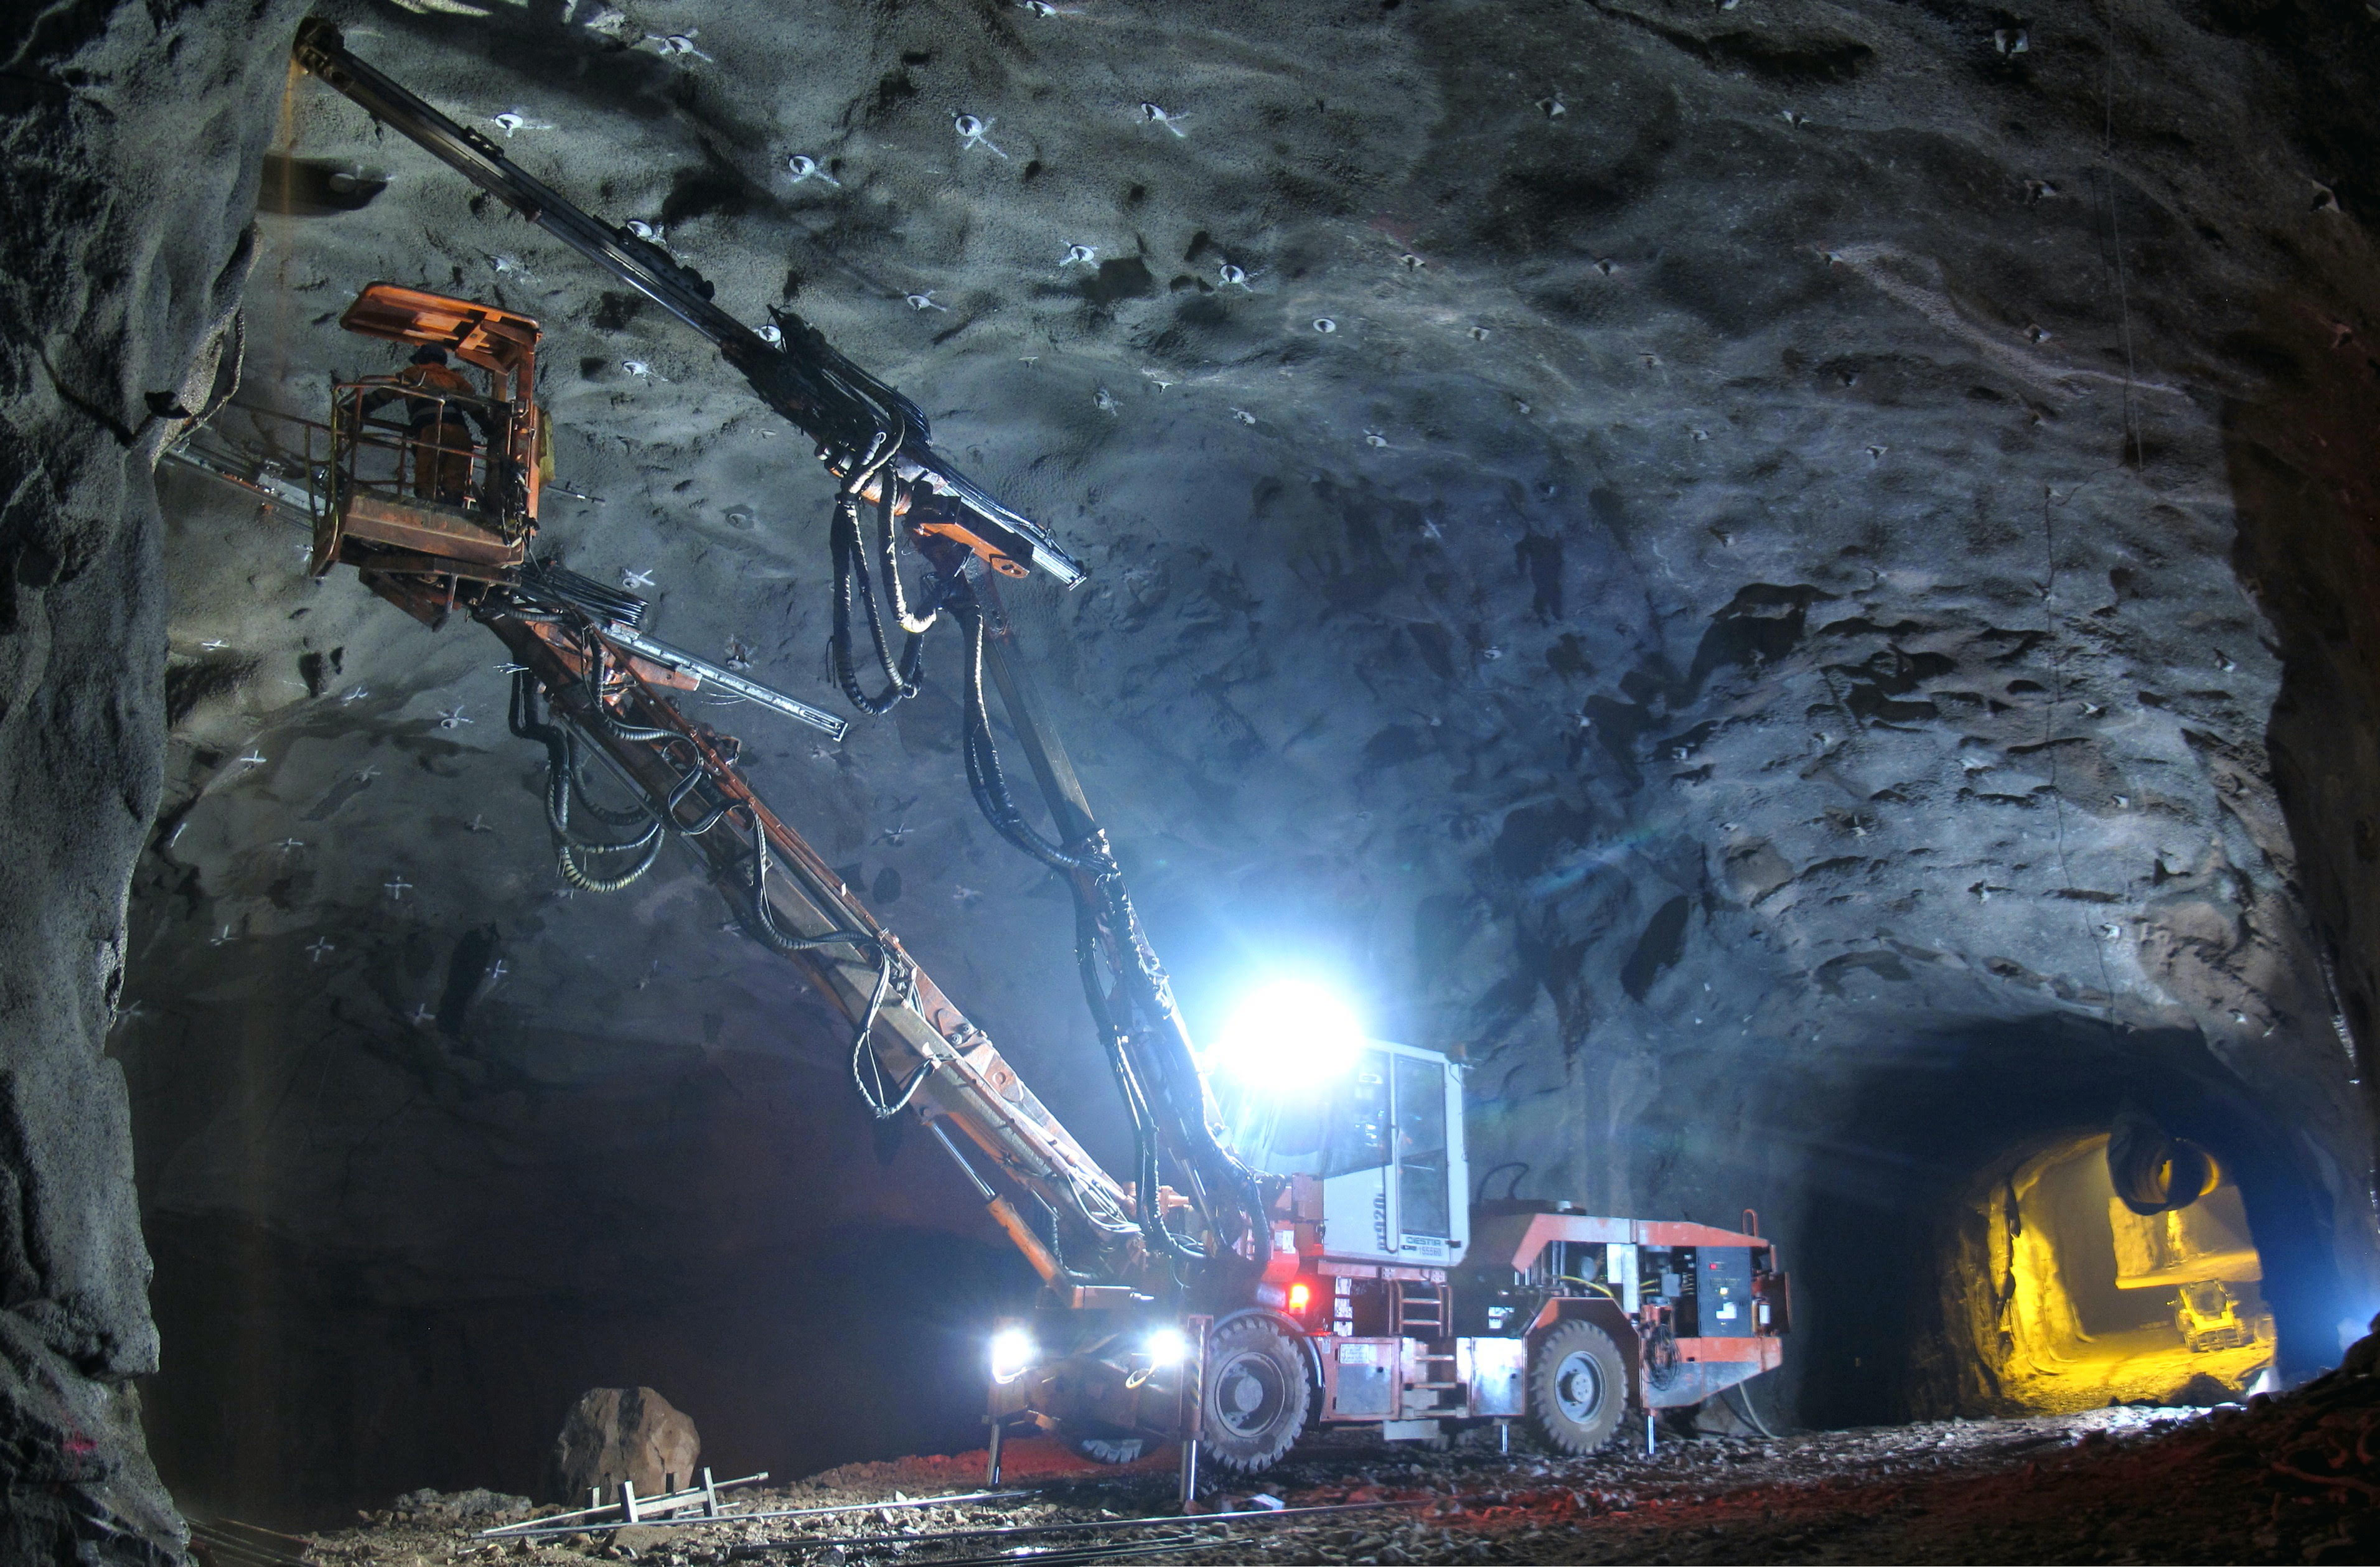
<point>1961,1251</point>
<point>2089,1302</point>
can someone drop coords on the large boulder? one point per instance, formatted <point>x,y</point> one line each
<point>615,1434</point>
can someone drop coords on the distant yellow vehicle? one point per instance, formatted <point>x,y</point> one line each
<point>2209,1318</point>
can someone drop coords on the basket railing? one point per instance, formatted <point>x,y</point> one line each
<point>401,443</point>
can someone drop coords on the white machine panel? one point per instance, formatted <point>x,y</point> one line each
<point>1386,1141</point>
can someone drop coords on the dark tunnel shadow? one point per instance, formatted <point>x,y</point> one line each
<point>2306,491</point>
<point>318,1394</point>
<point>1924,1117</point>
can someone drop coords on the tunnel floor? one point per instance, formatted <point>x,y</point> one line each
<point>2288,1478</point>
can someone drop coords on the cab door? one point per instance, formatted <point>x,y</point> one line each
<point>1425,1209</point>
<point>1358,1168</point>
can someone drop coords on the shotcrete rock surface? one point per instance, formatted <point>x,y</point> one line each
<point>1687,551</point>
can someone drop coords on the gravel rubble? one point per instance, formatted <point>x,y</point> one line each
<point>2289,1478</point>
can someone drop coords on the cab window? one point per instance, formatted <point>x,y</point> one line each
<point>1422,1205</point>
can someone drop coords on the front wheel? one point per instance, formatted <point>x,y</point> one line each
<point>1578,1384</point>
<point>1257,1395</point>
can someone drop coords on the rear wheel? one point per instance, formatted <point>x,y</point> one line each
<point>1578,1384</point>
<point>1257,1395</point>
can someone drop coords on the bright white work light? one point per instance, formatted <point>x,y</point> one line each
<point>1167,1346</point>
<point>1013,1353</point>
<point>1290,1033</point>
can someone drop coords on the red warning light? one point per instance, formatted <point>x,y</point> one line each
<point>1301,1295</point>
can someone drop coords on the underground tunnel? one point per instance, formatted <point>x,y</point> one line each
<point>1672,710</point>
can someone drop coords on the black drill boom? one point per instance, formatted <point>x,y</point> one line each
<point>829,398</point>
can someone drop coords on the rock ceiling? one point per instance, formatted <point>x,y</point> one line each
<point>1670,545</point>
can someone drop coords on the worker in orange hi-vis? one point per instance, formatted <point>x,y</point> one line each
<point>438,425</point>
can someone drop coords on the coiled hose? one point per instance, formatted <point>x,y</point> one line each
<point>637,815</point>
<point>561,779</point>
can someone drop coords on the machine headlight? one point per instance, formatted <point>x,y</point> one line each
<point>1167,1347</point>
<point>1013,1353</point>
<point>1288,1037</point>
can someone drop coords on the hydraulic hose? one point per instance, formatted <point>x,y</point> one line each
<point>850,580</point>
<point>985,779</point>
<point>566,859</point>
<point>1135,1101</point>
<point>1164,1056</point>
<point>887,557</point>
<point>882,1099</point>
<point>636,733</point>
<point>562,787</point>
<point>1743,1400</point>
<point>1150,1058</point>
<point>635,816</point>
<point>562,777</point>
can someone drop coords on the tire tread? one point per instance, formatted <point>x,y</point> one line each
<point>1249,1458</point>
<point>1545,1420</point>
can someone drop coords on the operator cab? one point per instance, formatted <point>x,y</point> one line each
<point>1383,1139</point>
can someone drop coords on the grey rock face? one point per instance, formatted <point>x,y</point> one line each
<point>615,1434</point>
<point>129,136</point>
<point>1803,610</point>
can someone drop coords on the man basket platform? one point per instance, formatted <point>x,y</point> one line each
<point>431,475</point>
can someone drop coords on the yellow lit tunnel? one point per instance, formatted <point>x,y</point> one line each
<point>2095,1304</point>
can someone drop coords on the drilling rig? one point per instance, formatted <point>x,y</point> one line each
<point>1285,1253</point>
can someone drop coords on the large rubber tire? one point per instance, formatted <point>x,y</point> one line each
<point>1256,1396</point>
<point>1578,1387</point>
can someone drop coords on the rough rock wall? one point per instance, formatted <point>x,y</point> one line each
<point>1734,622</point>
<point>129,136</point>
